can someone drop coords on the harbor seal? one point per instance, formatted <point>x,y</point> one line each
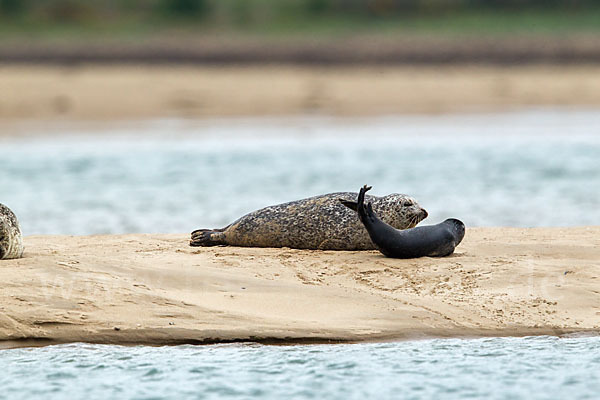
<point>319,222</point>
<point>433,241</point>
<point>11,240</point>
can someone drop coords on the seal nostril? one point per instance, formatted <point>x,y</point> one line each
<point>425,213</point>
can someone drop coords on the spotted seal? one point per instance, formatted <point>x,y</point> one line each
<point>433,241</point>
<point>11,241</point>
<point>319,222</point>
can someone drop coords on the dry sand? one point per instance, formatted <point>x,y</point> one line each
<point>131,93</point>
<point>154,289</point>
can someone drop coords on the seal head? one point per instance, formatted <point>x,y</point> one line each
<point>11,240</point>
<point>433,241</point>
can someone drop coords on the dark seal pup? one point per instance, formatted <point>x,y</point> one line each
<point>432,241</point>
<point>11,240</point>
<point>319,222</point>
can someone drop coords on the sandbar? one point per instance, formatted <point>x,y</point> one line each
<point>153,289</point>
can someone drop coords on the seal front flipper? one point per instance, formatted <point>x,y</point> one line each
<point>353,205</point>
<point>364,212</point>
<point>359,205</point>
<point>350,204</point>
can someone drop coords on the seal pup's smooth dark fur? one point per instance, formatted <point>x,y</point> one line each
<point>432,241</point>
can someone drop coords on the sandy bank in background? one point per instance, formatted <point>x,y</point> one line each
<point>154,289</point>
<point>130,92</point>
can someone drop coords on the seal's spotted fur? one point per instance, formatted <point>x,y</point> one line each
<point>320,222</point>
<point>11,241</point>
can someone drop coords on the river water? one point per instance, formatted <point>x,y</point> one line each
<point>494,368</point>
<point>535,168</point>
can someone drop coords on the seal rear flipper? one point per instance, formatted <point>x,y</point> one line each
<point>199,231</point>
<point>206,238</point>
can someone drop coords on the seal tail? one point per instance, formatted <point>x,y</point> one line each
<point>206,238</point>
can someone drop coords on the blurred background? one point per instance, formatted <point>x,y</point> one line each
<point>131,17</point>
<point>171,115</point>
<point>300,31</point>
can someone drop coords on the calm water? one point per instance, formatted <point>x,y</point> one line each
<point>536,168</point>
<point>498,368</point>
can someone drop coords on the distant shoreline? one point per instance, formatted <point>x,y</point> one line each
<point>154,289</point>
<point>395,49</point>
<point>46,93</point>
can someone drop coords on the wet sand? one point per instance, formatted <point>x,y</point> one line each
<point>155,290</point>
<point>125,92</point>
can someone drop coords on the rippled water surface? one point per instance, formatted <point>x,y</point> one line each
<point>536,168</point>
<point>498,368</point>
